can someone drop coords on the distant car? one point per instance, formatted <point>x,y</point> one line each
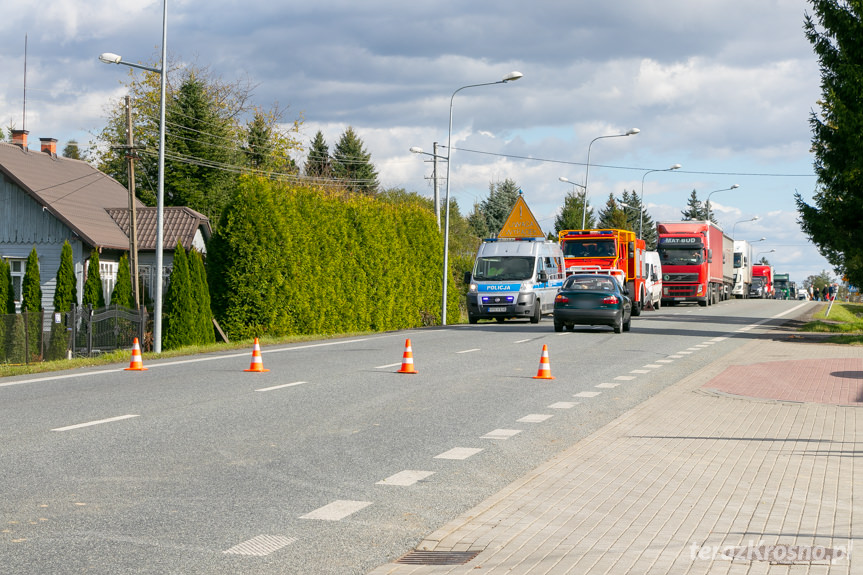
<point>592,299</point>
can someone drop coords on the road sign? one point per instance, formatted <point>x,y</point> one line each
<point>521,223</point>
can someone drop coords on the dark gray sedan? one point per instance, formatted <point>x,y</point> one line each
<point>592,299</point>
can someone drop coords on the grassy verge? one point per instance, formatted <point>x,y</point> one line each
<point>124,356</point>
<point>844,318</point>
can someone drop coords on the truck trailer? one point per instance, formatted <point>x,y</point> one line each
<point>742,269</point>
<point>697,262</point>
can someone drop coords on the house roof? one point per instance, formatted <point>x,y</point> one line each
<point>94,205</point>
<point>179,223</point>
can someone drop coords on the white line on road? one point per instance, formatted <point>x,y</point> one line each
<point>626,377</point>
<point>651,366</point>
<point>523,340</point>
<point>501,434</point>
<point>587,394</point>
<point>337,510</point>
<point>639,371</point>
<point>387,365</point>
<point>91,423</point>
<point>606,385</point>
<point>665,360</point>
<point>281,386</point>
<point>458,453</point>
<point>468,350</point>
<point>676,356</point>
<point>405,478</point>
<point>534,418</point>
<point>261,546</point>
<point>563,405</point>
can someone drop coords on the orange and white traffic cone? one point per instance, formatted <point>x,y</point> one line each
<point>407,359</point>
<point>136,364</point>
<point>257,362</point>
<point>544,367</point>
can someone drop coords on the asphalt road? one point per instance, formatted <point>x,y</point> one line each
<point>331,462</point>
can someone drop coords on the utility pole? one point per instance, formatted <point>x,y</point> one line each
<point>133,233</point>
<point>436,187</point>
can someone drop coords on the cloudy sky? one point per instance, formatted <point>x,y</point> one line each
<point>723,87</point>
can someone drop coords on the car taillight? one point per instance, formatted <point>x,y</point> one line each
<point>611,299</point>
<point>560,298</point>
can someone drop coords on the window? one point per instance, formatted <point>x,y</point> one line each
<point>108,275</point>
<point>18,267</point>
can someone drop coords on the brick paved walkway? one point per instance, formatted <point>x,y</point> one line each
<point>672,485</point>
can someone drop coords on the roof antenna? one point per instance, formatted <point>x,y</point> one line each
<point>24,118</point>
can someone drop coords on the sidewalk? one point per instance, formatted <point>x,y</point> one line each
<point>689,478</point>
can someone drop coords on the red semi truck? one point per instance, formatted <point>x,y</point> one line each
<point>762,282</point>
<point>697,262</point>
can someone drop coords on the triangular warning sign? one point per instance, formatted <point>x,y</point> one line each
<point>521,223</point>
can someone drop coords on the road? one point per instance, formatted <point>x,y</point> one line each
<point>331,462</point>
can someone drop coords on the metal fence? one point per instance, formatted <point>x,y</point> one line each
<point>81,332</point>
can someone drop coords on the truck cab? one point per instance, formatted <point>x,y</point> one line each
<point>514,278</point>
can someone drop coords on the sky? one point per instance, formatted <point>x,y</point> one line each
<point>725,88</point>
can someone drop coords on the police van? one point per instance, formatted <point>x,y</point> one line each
<point>514,278</point>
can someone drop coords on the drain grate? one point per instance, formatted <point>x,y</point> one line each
<point>417,557</point>
<point>785,554</point>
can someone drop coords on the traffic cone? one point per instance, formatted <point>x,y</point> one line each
<point>136,363</point>
<point>407,359</point>
<point>544,367</point>
<point>257,362</point>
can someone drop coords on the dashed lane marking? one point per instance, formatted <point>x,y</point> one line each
<point>640,371</point>
<point>387,366</point>
<point>676,356</point>
<point>261,546</point>
<point>337,510</point>
<point>563,405</point>
<point>665,360</point>
<point>459,453</point>
<point>97,422</point>
<point>281,386</point>
<point>687,352</point>
<point>534,418</point>
<point>652,366</point>
<point>501,434</point>
<point>405,478</point>
<point>607,385</point>
<point>625,377</point>
<point>468,350</point>
<point>587,394</point>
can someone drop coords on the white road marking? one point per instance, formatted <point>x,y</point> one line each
<point>563,405</point>
<point>281,386</point>
<point>99,422</point>
<point>501,434</point>
<point>665,360</point>
<point>625,377</point>
<point>676,356</point>
<point>405,478</point>
<point>458,453</point>
<point>534,418</point>
<point>523,340</point>
<point>261,546</point>
<point>337,510</point>
<point>720,338</point>
<point>693,348</point>
<point>639,371</point>
<point>607,385</point>
<point>468,350</point>
<point>587,394</point>
<point>682,353</point>
<point>387,365</point>
<point>706,343</point>
<point>652,366</point>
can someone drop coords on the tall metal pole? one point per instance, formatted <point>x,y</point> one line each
<point>160,198</point>
<point>630,132</point>
<point>436,187</point>
<point>641,200</point>
<point>508,78</point>
<point>133,234</point>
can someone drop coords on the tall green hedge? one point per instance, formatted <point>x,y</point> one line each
<point>180,313</point>
<point>294,260</point>
<point>94,294</point>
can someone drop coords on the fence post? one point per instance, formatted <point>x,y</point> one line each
<point>89,329</point>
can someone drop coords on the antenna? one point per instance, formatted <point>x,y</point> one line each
<point>24,118</point>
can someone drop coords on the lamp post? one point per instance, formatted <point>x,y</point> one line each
<point>511,77</point>
<point>641,199</point>
<point>752,219</point>
<point>707,203</point>
<point>110,58</point>
<point>767,252</point>
<point>630,132</point>
<point>756,241</point>
<point>583,198</point>
<point>418,150</point>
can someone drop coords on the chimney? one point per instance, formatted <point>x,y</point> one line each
<point>49,146</point>
<point>19,138</point>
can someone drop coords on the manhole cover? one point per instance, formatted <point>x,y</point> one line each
<point>785,554</point>
<point>416,557</point>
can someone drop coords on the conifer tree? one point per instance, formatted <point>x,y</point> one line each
<point>201,292</point>
<point>612,217</point>
<point>179,308</point>
<point>122,294</point>
<point>6,317</point>
<point>93,291</point>
<point>694,208</point>
<point>572,213</point>
<point>352,166</point>
<point>31,302</point>
<point>495,209</point>
<point>318,161</point>
<point>65,296</point>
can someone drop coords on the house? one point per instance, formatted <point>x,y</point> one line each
<point>46,200</point>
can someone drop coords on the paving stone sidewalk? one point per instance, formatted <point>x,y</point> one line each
<point>691,477</point>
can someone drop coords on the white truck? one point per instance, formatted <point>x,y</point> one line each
<point>514,278</point>
<point>742,269</point>
<point>653,279</point>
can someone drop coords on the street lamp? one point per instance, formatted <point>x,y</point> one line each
<point>641,200</point>
<point>583,197</point>
<point>418,150</point>
<point>707,203</point>
<point>511,77</point>
<point>756,241</point>
<point>630,132</point>
<point>752,219</point>
<point>767,252</point>
<point>109,58</point>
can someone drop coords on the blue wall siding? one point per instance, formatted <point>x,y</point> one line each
<point>23,221</point>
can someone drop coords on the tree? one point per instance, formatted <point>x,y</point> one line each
<point>612,217</point>
<point>31,302</point>
<point>318,161</point>
<point>638,218</point>
<point>266,145</point>
<point>201,294</point>
<point>122,294</point>
<point>572,213</point>
<point>495,209</point>
<point>833,221</point>
<point>73,152</point>
<point>7,294</point>
<point>180,311</point>
<point>351,164</point>
<point>93,291</point>
<point>65,296</point>
<point>694,208</point>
